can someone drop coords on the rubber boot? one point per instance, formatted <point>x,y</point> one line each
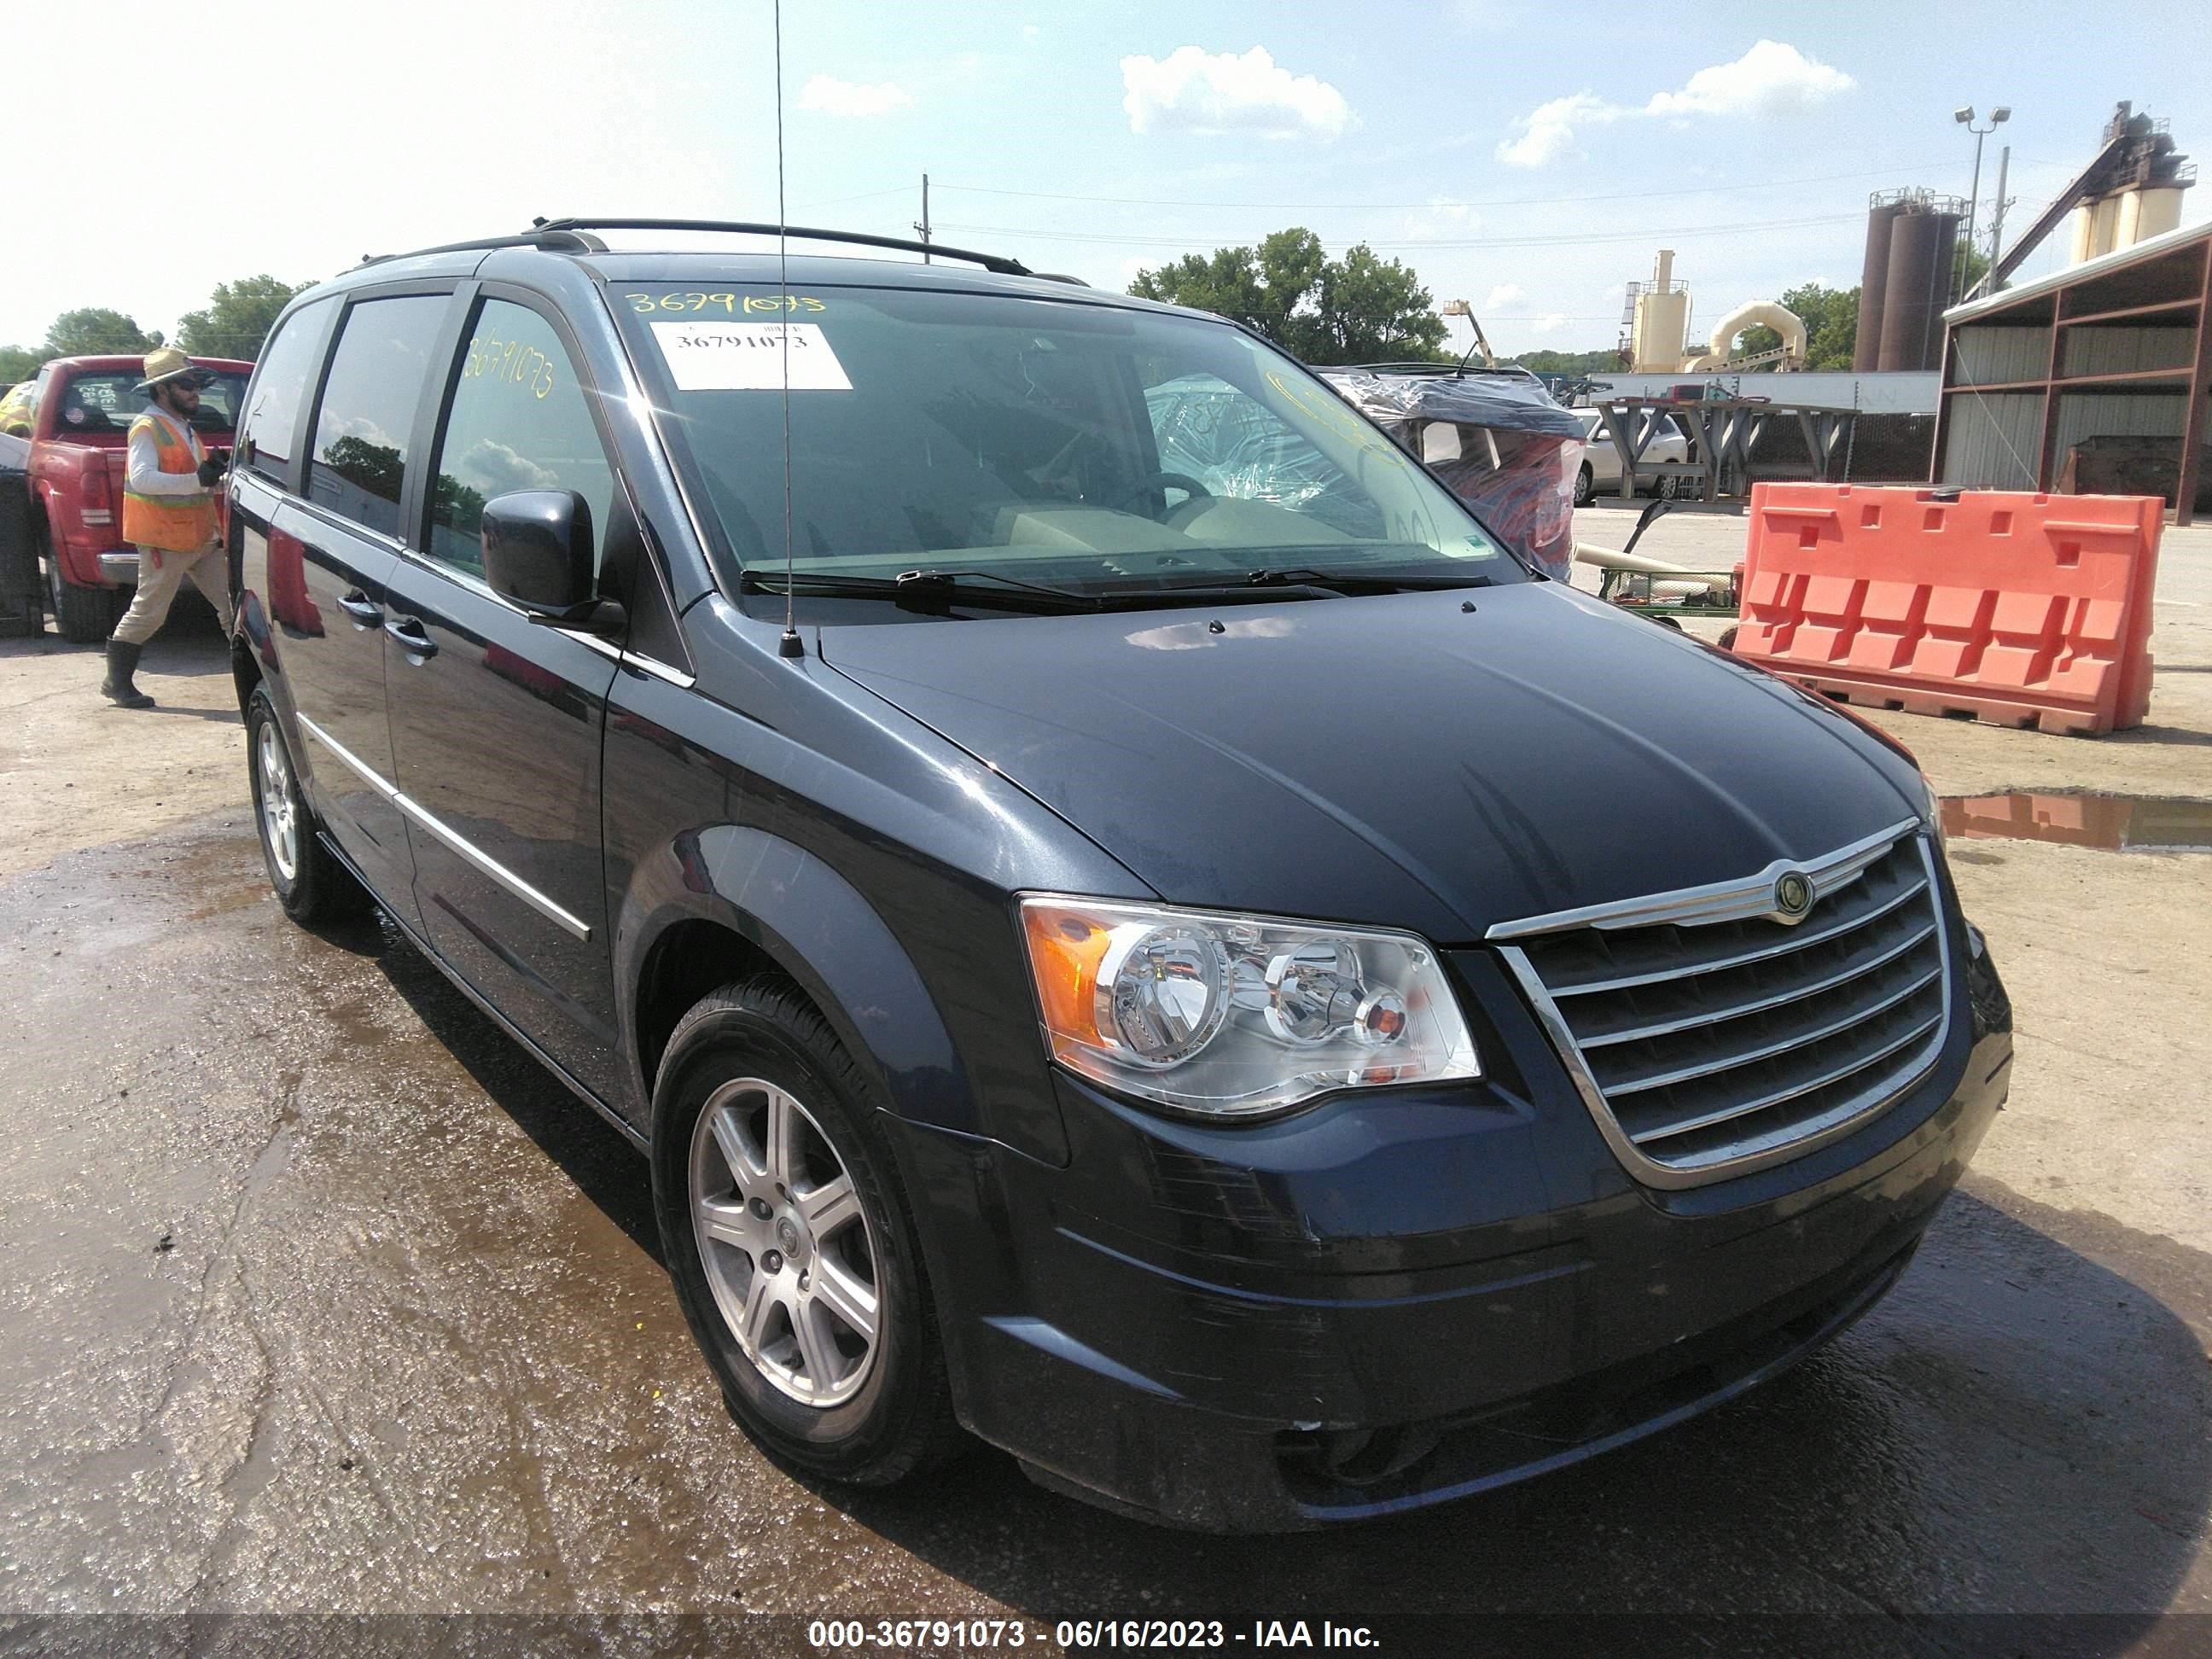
<point>122,664</point>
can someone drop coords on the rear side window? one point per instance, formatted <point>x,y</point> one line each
<point>519,420</point>
<point>272,425</point>
<point>359,463</point>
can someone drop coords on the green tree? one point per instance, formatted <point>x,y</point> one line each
<point>375,467</point>
<point>238,317</point>
<point>19,364</point>
<point>1357,309</point>
<point>94,331</point>
<point>1605,360</point>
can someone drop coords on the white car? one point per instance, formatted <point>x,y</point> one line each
<point>1601,473</point>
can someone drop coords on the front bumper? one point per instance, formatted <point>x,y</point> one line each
<point>1390,1301</point>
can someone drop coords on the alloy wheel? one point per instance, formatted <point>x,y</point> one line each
<point>279,803</point>
<point>785,1244</point>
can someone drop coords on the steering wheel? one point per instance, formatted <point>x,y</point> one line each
<point>1181,480</point>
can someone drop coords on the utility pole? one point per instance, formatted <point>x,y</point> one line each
<point>1997,207</point>
<point>1965,117</point>
<point>922,224</point>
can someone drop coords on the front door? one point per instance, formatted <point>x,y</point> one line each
<point>496,721</point>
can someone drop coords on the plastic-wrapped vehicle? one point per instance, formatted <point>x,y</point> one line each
<point>1497,438</point>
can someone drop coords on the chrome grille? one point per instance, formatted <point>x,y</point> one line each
<point>1709,1036</point>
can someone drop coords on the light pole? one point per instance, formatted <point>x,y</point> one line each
<point>1965,117</point>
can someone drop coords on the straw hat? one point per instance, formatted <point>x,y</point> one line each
<point>168,363</point>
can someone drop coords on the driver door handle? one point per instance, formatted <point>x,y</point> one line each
<point>408,630</point>
<point>356,604</point>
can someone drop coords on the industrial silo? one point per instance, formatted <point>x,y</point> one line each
<point>1873,279</point>
<point>1924,241</point>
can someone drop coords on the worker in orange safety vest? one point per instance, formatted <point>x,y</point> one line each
<point>169,512</point>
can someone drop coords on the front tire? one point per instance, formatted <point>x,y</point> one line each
<point>1585,486</point>
<point>310,883</point>
<point>789,1239</point>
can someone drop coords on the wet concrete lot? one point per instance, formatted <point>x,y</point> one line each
<point>320,1296</point>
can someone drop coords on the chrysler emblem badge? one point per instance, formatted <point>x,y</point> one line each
<point>1793,897</point>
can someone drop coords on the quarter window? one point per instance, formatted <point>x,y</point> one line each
<point>360,459</point>
<point>518,420</point>
<point>272,425</point>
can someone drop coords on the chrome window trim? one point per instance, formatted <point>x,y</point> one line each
<point>381,542</point>
<point>429,564</point>
<point>417,813</point>
<point>1846,1118</point>
<point>1744,900</point>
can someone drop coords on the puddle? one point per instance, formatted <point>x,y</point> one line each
<point>2110,823</point>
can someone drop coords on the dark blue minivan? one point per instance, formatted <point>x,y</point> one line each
<point>1185,959</point>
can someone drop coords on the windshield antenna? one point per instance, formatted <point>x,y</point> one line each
<point>791,645</point>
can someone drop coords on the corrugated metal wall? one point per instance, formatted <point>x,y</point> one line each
<point>1992,357</point>
<point>1992,440</point>
<point>2123,350</point>
<point>2121,415</point>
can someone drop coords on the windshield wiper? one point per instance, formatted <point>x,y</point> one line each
<point>1356,582</point>
<point>926,590</point>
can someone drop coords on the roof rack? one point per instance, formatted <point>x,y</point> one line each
<point>997,264</point>
<point>552,239</point>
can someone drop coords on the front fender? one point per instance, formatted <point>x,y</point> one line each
<point>817,927</point>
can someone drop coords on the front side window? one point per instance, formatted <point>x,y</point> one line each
<point>359,463</point>
<point>1099,448</point>
<point>280,386</point>
<point>518,420</point>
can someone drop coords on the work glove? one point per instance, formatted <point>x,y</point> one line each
<point>212,469</point>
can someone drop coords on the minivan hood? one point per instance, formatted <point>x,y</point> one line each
<point>1399,760</point>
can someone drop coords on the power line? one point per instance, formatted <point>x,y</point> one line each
<point>1503,201</point>
<point>1591,239</point>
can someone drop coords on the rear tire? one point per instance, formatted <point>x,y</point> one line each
<point>791,1242</point>
<point>85,616</point>
<point>310,882</point>
<point>1585,486</point>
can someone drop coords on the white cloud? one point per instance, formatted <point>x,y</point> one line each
<point>1029,31</point>
<point>1769,79</point>
<point>1548,132</point>
<point>831,96</point>
<point>1772,78</point>
<point>1505,295</point>
<point>1550,322</point>
<point>1195,91</point>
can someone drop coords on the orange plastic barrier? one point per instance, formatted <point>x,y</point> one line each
<point>2015,609</point>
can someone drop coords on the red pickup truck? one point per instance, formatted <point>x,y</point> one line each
<point>77,421</point>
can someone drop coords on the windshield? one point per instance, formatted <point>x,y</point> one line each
<point>101,403</point>
<point>1098,450</point>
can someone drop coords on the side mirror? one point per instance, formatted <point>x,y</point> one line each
<point>537,553</point>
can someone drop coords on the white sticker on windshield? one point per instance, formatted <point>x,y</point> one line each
<point>749,357</point>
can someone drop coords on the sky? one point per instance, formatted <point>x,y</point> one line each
<point>1529,158</point>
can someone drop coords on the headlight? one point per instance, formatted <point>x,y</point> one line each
<point>1234,1015</point>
